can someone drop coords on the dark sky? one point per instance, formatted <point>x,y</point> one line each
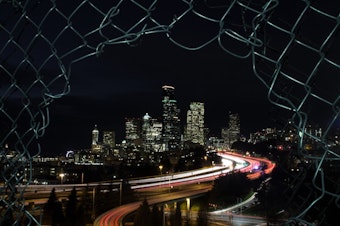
<point>126,82</point>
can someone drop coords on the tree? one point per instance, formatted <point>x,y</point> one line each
<point>71,209</point>
<point>58,215</point>
<point>128,195</point>
<point>84,208</point>
<point>228,188</point>
<point>176,218</point>
<point>157,216</point>
<point>142,217</point>
<point>8,218</point>
<point>81,216</point>
<point>53,211</point>
<point>202,218</point>
<point>271,196</point>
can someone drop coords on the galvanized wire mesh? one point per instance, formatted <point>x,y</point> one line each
<point>293,47</point>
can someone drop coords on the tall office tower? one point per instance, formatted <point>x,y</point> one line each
<point>109,139</point>
<point>95,147</point>
<point>171,134</point>
<point>133,131</point>
<point>147,133</point>
<point>156,131</point>
<point>195,123</point>
<point>151,134</point>
<point>95,135</point>
<point>232,132</point>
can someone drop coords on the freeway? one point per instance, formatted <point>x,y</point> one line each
<point>248,164</point>
<point>254,164</point>
<point>238,220</point>
<point>115,216</point>
<point>149,182</point>
<point>231,161</point>
<point>39,193</point>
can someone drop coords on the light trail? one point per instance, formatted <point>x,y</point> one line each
<point>115,216</point>
<point>254,168</point>
<point>231,162</point>
<point>242,163</point>
<point>180,175</point>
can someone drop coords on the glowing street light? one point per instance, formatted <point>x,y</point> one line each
<point>188,204</point>
<point>188,208</point>
<point>62,175</point>
<point>160,168</point>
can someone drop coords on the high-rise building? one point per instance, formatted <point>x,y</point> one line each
<point>232,132</point>
<point>171,134</point>
<point>95,135</point>
<point>146,133</point>
<point>95,147</point>
<point>133,131</point>
<point>156,131</point>
<point>109,139</point>
<point>151,133</point>
<point>195,123</point>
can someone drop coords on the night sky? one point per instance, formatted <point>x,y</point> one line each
<point>127,82</point>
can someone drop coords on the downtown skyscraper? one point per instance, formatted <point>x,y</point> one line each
<point>232,133</point>
<point>133,131</point>
<point>95,146</point>
<point>151,134</point>
<point>171,134</point>
<point>195,123</point>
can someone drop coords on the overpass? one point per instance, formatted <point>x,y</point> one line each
<point>247,164</point>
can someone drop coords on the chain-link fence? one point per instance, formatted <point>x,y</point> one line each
<point>293,46</point>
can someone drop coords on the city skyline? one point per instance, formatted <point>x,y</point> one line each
<point>123,81</point>
<point>71,73</point>
<point>85,136</point>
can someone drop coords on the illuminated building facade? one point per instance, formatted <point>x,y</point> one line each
<point>96,147</point>
<point>195,123</point>
<point>133,131</point>
<point>171,134</point>
<point>156,131</point>
<point>146,133</point>
<point>109,139</point>
<point>232,132</point>
<point>95,135</point>
<point>151,133</point>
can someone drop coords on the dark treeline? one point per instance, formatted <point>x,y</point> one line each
<point>81,209</point>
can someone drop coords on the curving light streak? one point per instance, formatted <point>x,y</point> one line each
<point>254,164</point>
<point>227,164</point>
<point>191,176</point>
<point>242,163</point>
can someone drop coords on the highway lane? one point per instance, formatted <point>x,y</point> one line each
<point>115,216</point>
<point>238,220</point>
<point>40,193</point>
<point>243,164</point>
<point>135,183</point>
<point>231,162</point>
<point>254,167</point>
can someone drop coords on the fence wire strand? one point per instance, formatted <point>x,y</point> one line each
<point>293,46</point>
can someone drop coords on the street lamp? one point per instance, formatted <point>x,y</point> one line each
<point>62,175</point>
<point>160,168</point>
<point>188,204</point>
<point>188,208</point>
<point>93,202</point>
<point>120,191</point>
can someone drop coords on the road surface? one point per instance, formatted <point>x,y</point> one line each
<point>115,216</point>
